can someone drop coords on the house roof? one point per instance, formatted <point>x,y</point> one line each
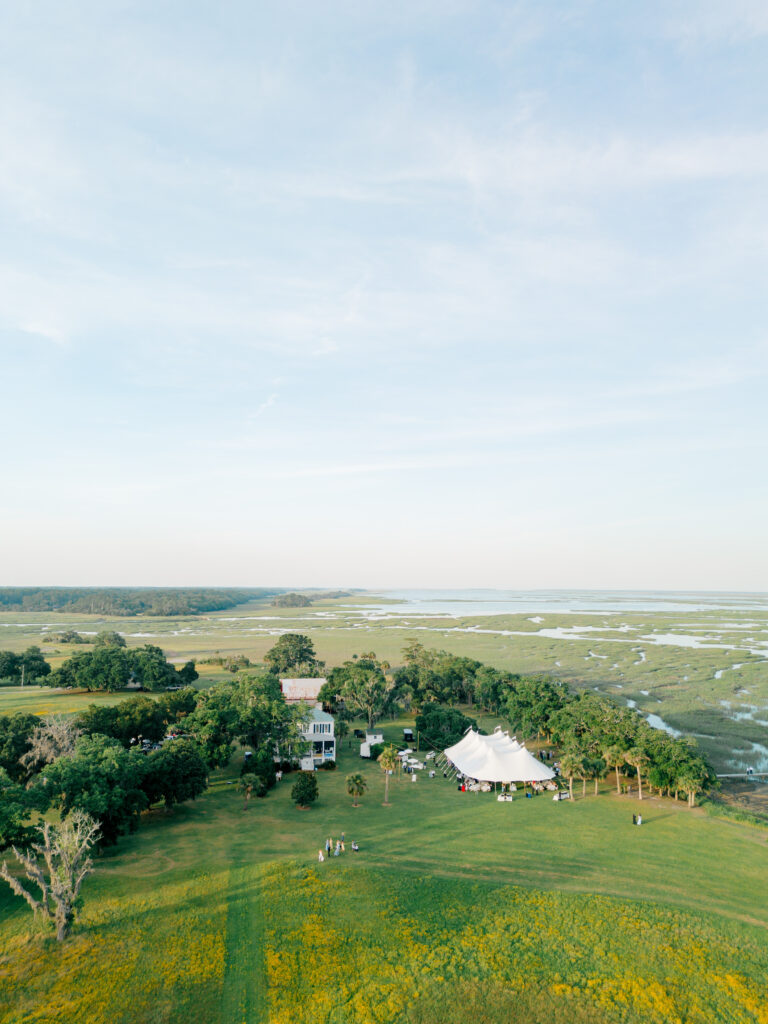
<point>301,689</point>
<point>318,715</point>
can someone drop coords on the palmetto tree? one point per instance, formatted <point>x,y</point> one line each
<point>597,769</point>
<point>388,760</point>
<point>689,785</point>
<point>638,759</point>
<point>356,786</point>
<point>571,765</point>
<point>245,785</point>
<point>614,758</point>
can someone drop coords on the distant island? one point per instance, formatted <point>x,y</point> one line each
<point>295,600</point>
<point>292,600</point>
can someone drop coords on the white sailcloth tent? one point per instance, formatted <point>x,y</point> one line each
<point>496,758</point>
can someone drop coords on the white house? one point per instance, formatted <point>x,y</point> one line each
<point>319,733</point>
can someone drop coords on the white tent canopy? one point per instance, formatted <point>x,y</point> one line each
<point>496,758</point>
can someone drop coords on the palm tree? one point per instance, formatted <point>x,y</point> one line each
<point>356,786</point>
<point>584,773</point>
<point>570,765</point>
<point>245,785</point>
<point>388,760</point>
<point>691,786</point>
<point>614,758</point>
<point>597,769</point>
<point>638,759</point>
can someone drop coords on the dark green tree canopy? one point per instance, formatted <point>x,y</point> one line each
<point>134,719</point>
<point>102,779</point>
<point>442,727</point>
<point>188,673</point>
<point>109,638</point>
<point>18,803</point>
<point>15,733</point>
<point>361,687</point>
<point>293,652</point>
<point>112,667</point>
<point>304,790</point>
<point>28,666</point>
<point>175,773</point>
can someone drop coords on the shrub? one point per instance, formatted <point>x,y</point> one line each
<point>304,791</point>
<point>328,766</point>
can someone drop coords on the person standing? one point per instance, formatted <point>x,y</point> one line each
<point>320,856</point>
<point>634,819</point>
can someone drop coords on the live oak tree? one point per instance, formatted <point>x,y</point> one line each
<point>136,718</point>
<point>109,638</point>
<point>175,773</point>
<point>111,666</point>
<point>103,779</point>
<point>188,673</point>
<point>23,668</point>
<point>15,735</point>
<point>57,865</point>
<point>214,724</point>
<point>362,686</point>
<point>291,652</point>
<point>442,727</point>
<point>55,737</point>
<point>17,804</point>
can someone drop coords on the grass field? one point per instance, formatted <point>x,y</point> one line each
<point>565,913</point>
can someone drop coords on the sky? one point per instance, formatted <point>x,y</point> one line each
<point>419,294</point>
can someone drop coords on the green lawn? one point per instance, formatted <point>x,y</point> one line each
<point>456,902</point>
<point>40,700</point>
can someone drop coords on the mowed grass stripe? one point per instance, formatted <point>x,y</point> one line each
<point>243,996</point>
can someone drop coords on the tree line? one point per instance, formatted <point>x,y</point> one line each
<point>19,669</point>
<point>127,600</point>
<point>115,762</point>
<point>593,734</point>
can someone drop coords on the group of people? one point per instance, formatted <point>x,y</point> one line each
<point>637,819</point>
<point>335,850</point>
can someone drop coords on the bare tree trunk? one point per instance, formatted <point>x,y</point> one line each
<point>64,849</point>
<point>618,784</point>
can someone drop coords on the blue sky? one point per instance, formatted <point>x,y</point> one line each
<point>412,294</point>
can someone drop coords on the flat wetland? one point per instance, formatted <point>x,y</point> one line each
<point>698,664</point>
<point>457,907</point>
